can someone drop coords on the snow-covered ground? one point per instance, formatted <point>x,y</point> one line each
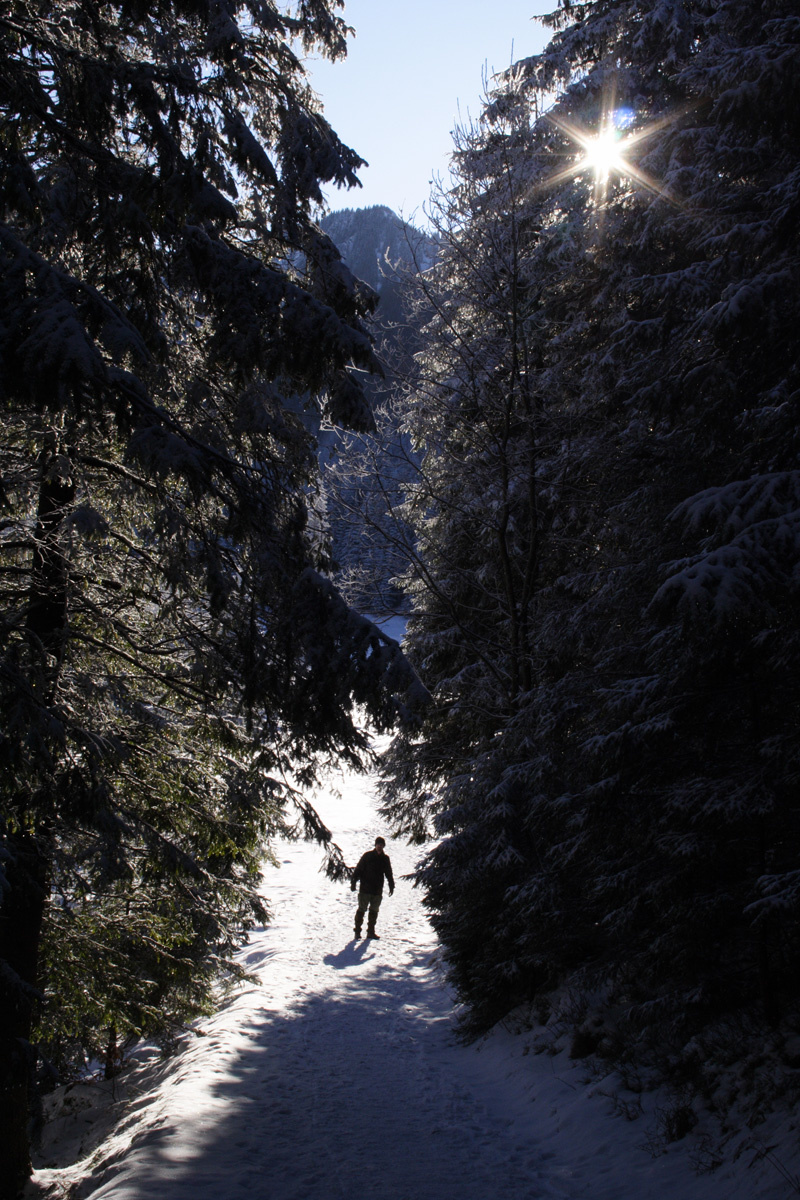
<point>336,1074</point>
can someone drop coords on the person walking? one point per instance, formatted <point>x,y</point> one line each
<point>373,867</point>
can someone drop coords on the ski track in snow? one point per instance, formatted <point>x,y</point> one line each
<point>336,1075</point>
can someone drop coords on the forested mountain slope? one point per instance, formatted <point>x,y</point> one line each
<point>362,486</point>
<point>380,248</point>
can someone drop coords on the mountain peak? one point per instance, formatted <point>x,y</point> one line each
<point>378,246</point>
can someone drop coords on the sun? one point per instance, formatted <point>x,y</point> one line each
<point>603,154</point>
<point>606,152</point>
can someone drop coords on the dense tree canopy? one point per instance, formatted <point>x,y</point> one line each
<point>173,660</point>
<point>622,814</point>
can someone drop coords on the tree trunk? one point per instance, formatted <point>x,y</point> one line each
<point>26,862</point>
<point>113,1055</point>
<point>21,916</point>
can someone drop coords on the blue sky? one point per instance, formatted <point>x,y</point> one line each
<point>412,67</point>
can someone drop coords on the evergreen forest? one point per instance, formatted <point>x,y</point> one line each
<point>605,553</point>
<point>176,665</point>
<point>577,474</point>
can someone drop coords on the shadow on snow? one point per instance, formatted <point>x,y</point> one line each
<point>345,1092</point>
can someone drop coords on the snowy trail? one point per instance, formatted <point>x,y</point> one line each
<point>336,1075</point>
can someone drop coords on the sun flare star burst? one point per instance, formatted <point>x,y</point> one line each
<point>604,154</point>
<point>607,152</point>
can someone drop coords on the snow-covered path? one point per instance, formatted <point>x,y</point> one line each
<point>335,1074</point>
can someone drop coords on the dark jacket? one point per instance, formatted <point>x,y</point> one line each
<point>370,873</point>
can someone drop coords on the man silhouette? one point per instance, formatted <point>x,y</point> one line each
<point>373,867</point>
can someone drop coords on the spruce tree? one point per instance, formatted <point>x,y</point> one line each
<point>692,826</point>
<point>653,759</point>
<point>482,508</point>
<point>170,645</point>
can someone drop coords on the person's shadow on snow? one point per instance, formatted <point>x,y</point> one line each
<point>352,954</point>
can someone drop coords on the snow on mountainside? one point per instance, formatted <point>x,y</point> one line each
<point>364,477</point>
<point>379,248</point>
